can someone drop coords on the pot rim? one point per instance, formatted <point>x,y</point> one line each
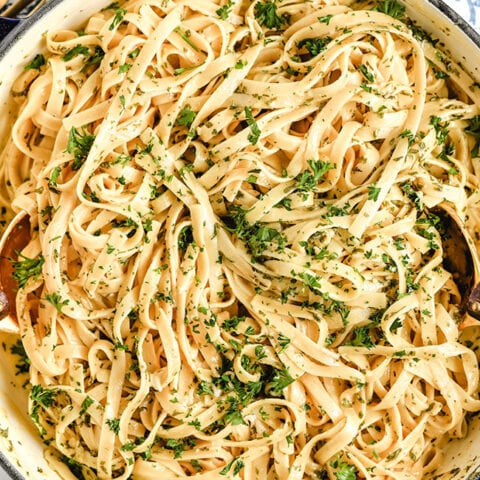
<point>23,27</point>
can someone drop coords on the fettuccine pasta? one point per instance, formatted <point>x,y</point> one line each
<point>237,266</point>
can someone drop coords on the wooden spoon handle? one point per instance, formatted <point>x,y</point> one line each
<point>14,240</point>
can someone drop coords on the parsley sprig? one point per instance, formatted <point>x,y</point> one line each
<point>117,18</point>
<point>186,116</point>
<point>474,130</point>
<point>40,398</point>
<point>79,143</point>
<point>315,45</point>
<point>308,179</point>
<point>392,8</point>
<point>224,11</point>
<point>36,63</point>
<point>23,365</point>
<point>441,129</point>
<point>257,237</point>
<point>344,471</point>
<point>77,50</point>
<point>266,14</point>
<point>255,131</point>
<point>56,300</point>
<point>27,268</point>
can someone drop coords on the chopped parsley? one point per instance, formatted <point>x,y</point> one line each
<point>473,129</point>
<point>255,132</point>
<point>124,68</point>
<point>441,129</point>
<point>344,471</point>
<point>96,58</point>
<point>118,18</point>
<point>185,238</point>
<point>27,268</point>
<point>413,195</point>
<point>326,19</point>
<point>185,36</point>
<point>77,50</point>
<point>283,341</point>
<point>186,116</point>
<point>361,337</point>
<point>134,53</point>
<point>36,63</point>
<point>178,446</point>
<point>79,144</point>
<point>224,12</point>
<point>23,365</point>
<point>281,380</point>
<point>56,300</point>
<point>256,237</point>
<point>114,425</point>
<point>266,14</point>
<point>392,8</point>
<point>53,181</point>
<point>179,71</point>
<point>314,46</point>
<point>239,464</point>
<point>42,396</point>
<point>87,402</point>
<point>366,73</point>
<point>408,134</point>
<point>373,192</point>
<point>309,179</point>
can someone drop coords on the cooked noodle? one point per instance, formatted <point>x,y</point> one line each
<point>236,268</point>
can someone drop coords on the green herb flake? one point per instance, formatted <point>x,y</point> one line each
<point>326,19</point>
<point>373,192</point>
<point>118,17</point>
<point>87,402</point>
<point>255,131</point>
<point>366,73</point>
<point>42,396</point>
<point>281,380</point>
<point>36,63</point>
<point>408,134</point>
<point>473,129</point>
<point>77,50</point>
<point>114,425</point>
<point>53,181</point>
<point>23,366</point>
<point>124,68</point>
<point>186,116</point>
<point>391,8</point>
<point>239,464</point>
<point>266,14</point>
<point>441,129</point>
<point>56,300</point>
<point>27,268</point>
<point>185,36</point>
<point>185,238</point>
<point>79,144</point>
<point>314,46</point>
<point>224,11</point>
<point>345,471</point>
<point>309,179</point>
<point>96,58</point>
<point>361,337</point>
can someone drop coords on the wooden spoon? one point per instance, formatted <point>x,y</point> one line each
<point>461,260</point>
<point>14,240</point>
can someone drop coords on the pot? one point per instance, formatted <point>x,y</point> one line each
<point>21,451</point>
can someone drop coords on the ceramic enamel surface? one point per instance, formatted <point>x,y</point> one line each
<point>20,449</point>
